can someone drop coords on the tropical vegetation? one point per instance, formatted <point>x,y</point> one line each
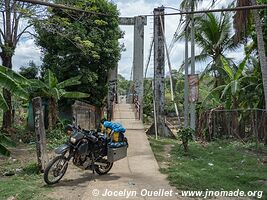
<point>78,51</point>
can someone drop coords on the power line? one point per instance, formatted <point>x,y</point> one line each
<point>60,6</point>
<point>255,7</point>
<point>171,46</point>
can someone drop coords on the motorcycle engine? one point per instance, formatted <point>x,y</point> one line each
<point>81,161</point>
<point>78,160</point>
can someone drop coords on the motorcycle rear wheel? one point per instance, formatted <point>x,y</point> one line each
<point>55,170</point>
<point>101,170</point>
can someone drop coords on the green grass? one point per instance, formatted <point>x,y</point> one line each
<point>215,166</point>
<point>24,185</point>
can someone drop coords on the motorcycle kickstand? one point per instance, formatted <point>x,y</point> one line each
<point>93,167</point>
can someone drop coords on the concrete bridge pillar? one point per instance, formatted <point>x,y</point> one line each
<point>138,56</point>
<point>138,62</point>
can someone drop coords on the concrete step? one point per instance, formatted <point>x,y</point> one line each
<point>130,124</point>
<point>124,109</point>
<point>124,106</point>
<point>124,115</point>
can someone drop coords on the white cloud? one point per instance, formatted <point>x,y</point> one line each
<point>26,51</point>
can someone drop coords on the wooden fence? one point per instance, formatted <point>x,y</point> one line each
<point>250,124</point>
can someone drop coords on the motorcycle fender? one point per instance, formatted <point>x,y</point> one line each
<point>62,149</point>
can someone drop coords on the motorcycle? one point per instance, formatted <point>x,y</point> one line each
<point>88,151</point>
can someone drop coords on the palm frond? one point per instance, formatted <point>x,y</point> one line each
<point>202,57</point>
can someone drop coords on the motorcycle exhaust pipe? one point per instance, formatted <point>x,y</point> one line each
<point>101,164</point>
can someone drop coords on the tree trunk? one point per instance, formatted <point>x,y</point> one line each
<point>261,49</point>
<point>7,116</point>
<point>6,56</point>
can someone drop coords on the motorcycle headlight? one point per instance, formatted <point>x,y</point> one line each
<point>68,132</point>
<point>73,140</point>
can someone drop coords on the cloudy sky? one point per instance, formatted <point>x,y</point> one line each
<point>27,50</point>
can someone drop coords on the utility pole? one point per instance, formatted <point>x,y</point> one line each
<point>192,104</point>
<point>186,83</point>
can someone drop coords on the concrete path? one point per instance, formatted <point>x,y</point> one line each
<point>136,176</point>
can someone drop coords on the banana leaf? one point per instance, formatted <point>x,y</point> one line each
<point>4,151</point>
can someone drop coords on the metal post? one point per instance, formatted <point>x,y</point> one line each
<point>155,114</point>
<point>193,104</point>
<point>186,83</point>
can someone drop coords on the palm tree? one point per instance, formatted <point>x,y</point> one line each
<point>54,91</point>
<point>241,20</point>
<point>213,35</point>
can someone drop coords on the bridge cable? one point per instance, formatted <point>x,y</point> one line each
<point>170,69</point>
<point>149,56</point>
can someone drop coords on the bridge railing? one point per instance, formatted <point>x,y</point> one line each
<point>136,104</point>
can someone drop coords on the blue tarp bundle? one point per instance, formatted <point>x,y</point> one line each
<point>116,127</point>
<point>117,144</point>
<point>108,124</point>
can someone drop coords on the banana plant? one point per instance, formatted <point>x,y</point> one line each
<point>14,83</point>
<point>54,91</point>
<point>234,80</point>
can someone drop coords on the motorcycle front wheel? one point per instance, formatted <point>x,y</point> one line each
<point>101,170</point>
<point>55,170</point>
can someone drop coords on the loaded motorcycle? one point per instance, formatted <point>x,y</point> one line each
<point>88,150</point>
